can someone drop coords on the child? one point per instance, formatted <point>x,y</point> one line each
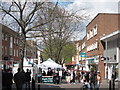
<point>86,85</point>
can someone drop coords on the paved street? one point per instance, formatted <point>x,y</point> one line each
<point>66,86</point>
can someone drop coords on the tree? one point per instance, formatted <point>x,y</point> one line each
<point>57,33</point>
<point>66,53</point>
<point>23,15</point>
<point>42,19</point>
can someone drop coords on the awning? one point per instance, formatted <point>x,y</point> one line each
<point>114,35</point>
<point>91,58</point>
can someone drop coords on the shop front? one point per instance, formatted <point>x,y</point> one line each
<point>92,64</point>
<point>111,53</point>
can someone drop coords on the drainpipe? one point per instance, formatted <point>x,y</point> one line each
<point>106,60</point>
<point>118,48</point>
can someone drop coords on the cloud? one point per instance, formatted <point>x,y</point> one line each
<point>93,7</point>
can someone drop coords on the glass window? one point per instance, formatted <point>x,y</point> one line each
<point>2,50</point>
<point>11,42</point>
<point>88,36</point>
<point>6,37</point>
<point>14,52</point>
<point>5,50</point>
<point>95,30</point>
<point>2,36</point>
<point>11,51</point>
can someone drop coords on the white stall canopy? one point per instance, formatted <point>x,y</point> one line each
<point>49,63</point>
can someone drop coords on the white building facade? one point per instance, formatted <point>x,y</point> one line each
<point>111,53</point>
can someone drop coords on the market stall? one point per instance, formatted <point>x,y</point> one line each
<point>53,67</point>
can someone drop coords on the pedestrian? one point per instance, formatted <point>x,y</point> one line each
<point>49,73</point>
<point>98,81</point>
<point>91,80</point>
<point>28,79</point>
<point>4,79</point>
<point>9,79</point>
<point>57,78</point>
<point>74,75</point>
<point>19,79</point>
<point>86,85</point>
<point>44,73</point>
<point>113,79</point>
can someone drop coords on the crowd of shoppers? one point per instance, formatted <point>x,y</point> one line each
<point>90,79</point>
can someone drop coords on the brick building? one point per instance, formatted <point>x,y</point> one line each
<point>10,46</point>
<point>12,49</point>
<point>93,47</point>
<point>82,55</point>
<point>101,25</point>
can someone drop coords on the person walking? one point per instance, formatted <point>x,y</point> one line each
<point>9,79</point>
<point>19,79</point>
<point>113,79</point>
<point>28,79</point>
<point>91,80</point>
<point>98,81</point>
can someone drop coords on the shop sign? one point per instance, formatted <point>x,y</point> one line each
<point>83,55</point>
<point>91,61</point>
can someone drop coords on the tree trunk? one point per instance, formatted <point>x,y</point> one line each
<point>23,52</point>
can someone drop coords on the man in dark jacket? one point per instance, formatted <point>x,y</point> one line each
<point>28,79</point>
<point>9,79</point>
<point>19,79</point>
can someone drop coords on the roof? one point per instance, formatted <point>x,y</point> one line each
<point>6,29</point>
<point>102,14</point>
<point>70,63</point>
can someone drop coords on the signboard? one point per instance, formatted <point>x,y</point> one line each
<point>5,58</point>
<point>47,79</point>
<point>83,55</point>
<point>91,61</point>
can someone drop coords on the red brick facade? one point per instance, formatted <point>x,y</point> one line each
<point>106,24</point>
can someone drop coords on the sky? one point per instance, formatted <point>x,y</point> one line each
<point>93,7</point>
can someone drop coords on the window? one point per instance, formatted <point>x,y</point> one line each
<point>79,48</point>
<point>95,30</point>
<point>11,42</point>
<point>2,36</point>
<point>83,45</point>
<point>14,52</point>
<point>2,50</point>
<point>92,32</point>
<point>5,50</point>
<point>17,41</point>
<point>92,46</point>
<point>88,36</point>
<point>6,37</point>
<point>14,40</point>
<point>11,51</point>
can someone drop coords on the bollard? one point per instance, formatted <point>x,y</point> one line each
<point>110,85</point>
<point>33,84</point>
<point>39,81</point>
<point>113,84</point>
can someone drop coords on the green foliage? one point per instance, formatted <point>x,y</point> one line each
<point>68,51</point>
<point>55,50</point>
